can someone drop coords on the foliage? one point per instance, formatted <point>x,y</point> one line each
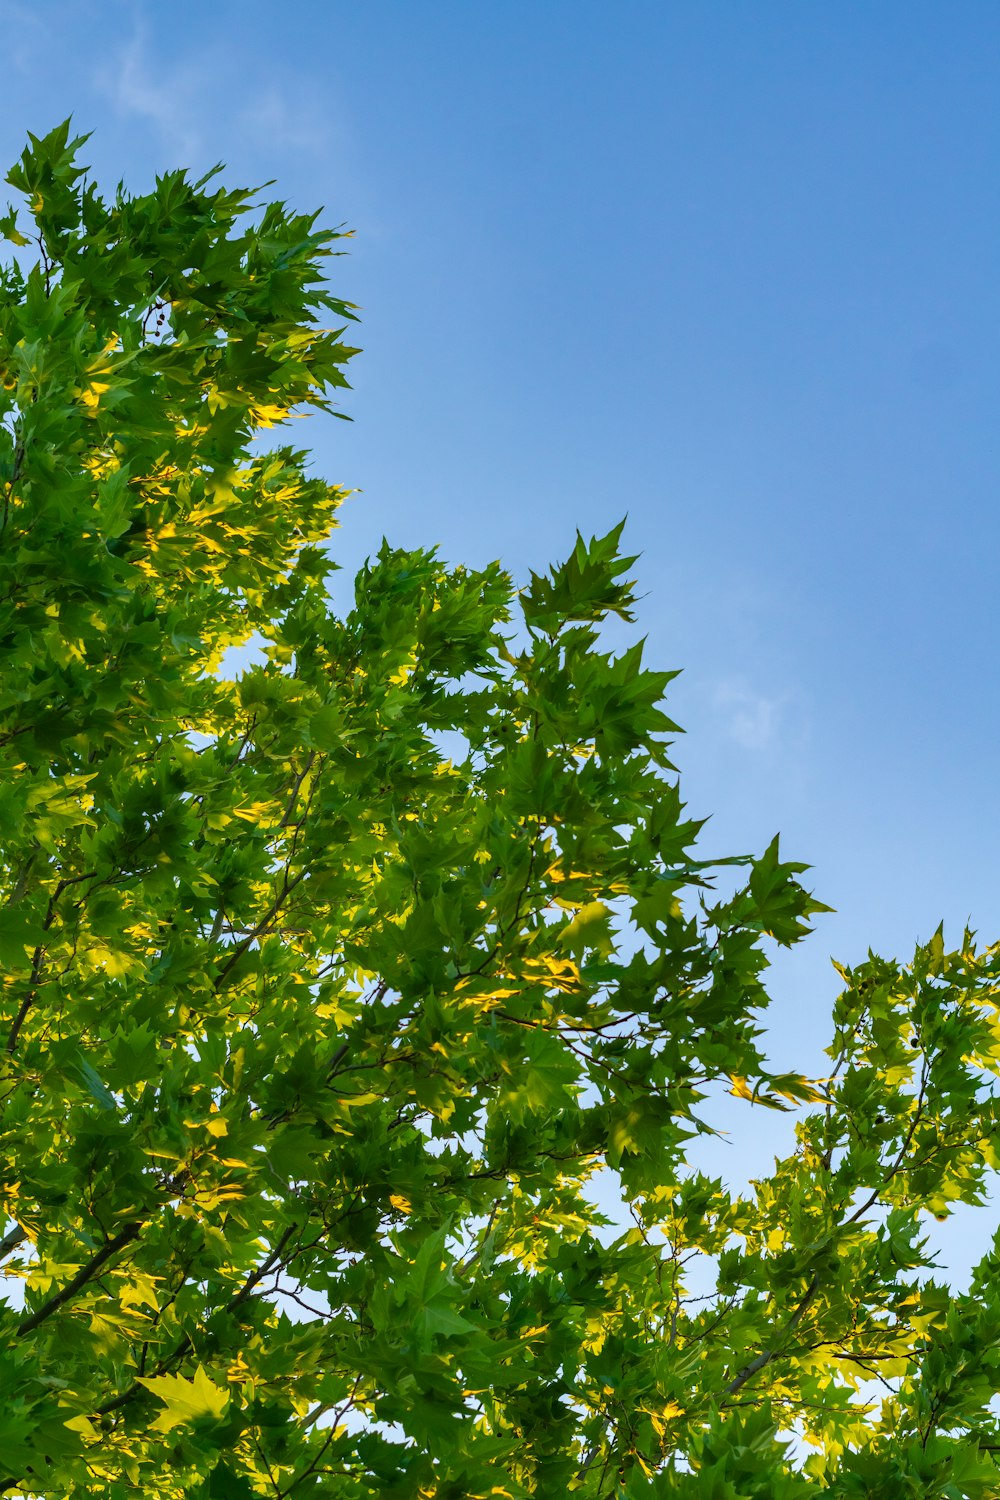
<point>328,987</point>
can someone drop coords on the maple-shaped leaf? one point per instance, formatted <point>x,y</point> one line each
<point>186,1401</point>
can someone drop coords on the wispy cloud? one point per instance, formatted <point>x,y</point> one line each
<point>298,124</point>
<point>25,34</point>
<point>213,105</point>
<point>750,718</point>
<point>169,98</point>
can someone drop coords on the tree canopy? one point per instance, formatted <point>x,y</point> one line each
<point>329,984</point>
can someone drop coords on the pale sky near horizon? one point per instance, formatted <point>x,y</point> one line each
<point>728,268</point>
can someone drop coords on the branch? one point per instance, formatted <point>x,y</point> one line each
<point>85,1274</point>
<point>11,1240</point>
<point>481,1240</point>
<point>46,263</point>
<point>37,964</point>
<point>37,960</point>
<point>296,785</point>
<point>183,1345</point>
<point>261,927</point>
<point>339,1413</point>
<point>769,1355</point>
<point>21,884</point>
<point>901,1157</point>
<point>244,742</point>
<point>259,1272</point>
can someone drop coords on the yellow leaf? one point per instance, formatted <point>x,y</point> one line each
<point>254,812</point>
<point>186,1400</point>
<point>82,1424</point>
<point>139,1291</point>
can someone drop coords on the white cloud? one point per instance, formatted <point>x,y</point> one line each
<point>751,718</point>
<point>138,84</point>
<point>276,120</point>
<point>213,106</point>
<point>25,34</point>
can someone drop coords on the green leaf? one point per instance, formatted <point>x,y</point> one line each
<point>585,587</point>
<point>384,958</point>
<point>186,1400</point>
<point>93,1084</point>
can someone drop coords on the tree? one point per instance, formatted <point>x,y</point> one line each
<point>329,986</point>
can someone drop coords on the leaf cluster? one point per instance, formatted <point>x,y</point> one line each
<point>328,988</point>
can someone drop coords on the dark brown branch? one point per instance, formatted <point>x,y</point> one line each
<point>11,1240</point>
<point>21,884</point>
<point>262,927</point>
<point>37,960</point>
<point>901,1157</point>
<point>186,1343</point>
<point>86,1273</point>
<point>251,725</point>
<point>259,1272</point>
<point>339,1413</point>
<point>37,963</point>
<point>769,1355</point>
<point>481,1239</point>
<point>296,786</point>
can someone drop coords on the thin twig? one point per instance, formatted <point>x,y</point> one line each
<point>769,1355</point>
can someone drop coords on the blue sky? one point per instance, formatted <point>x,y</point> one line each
<point>729,268</point>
